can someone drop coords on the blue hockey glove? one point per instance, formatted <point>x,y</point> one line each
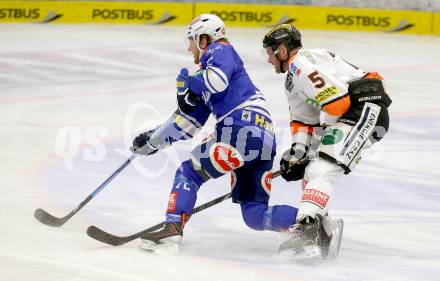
<point>182,80</point>
<point>186,99</point>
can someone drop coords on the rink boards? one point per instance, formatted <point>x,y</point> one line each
<point>242,15</point>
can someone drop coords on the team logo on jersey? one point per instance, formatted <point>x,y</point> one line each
<point>315,197</point>
<point>246,116</point>
<point>328,93</point>
<point>266,181</point>
<point>225,157</point>
<point>312,102</point>
<point>233,180</point>
<point>333,137</point>
<point>295,70</point>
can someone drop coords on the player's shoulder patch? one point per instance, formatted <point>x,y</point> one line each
<point>294,69</point>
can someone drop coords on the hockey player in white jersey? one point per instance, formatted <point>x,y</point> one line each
<point>323,91</point>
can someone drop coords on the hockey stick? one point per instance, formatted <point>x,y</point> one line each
<point>107,238</point>
<point>51,220</point>
<point>114,240</point>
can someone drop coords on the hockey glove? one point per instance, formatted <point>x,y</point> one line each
<point>186,99</point>
<point>182,80</point>
<point>142,146</point>
<point>294,162</point>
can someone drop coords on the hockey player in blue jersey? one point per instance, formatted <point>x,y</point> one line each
<point>243,143</point>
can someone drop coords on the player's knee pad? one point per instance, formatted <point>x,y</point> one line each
<point>343,144</point>
<point>256,215</point>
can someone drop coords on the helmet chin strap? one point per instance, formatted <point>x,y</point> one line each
<point>198,47</point>
<point>201,51</point>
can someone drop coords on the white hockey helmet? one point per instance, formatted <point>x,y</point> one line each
<point>208,24</point>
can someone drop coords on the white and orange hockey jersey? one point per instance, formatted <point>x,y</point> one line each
<point>317,89</point>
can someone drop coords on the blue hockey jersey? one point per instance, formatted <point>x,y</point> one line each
<point>223,83</point>
<point>228,93</point>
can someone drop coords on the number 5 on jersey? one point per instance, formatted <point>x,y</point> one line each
<point>317,80</point>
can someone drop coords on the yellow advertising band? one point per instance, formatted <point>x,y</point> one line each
<point>243,15</point>
<point>96,12</point>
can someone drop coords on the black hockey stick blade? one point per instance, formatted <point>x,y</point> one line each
<point>50,220</point>
<point>114,240</point>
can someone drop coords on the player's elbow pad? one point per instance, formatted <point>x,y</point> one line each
<point>215,79</point>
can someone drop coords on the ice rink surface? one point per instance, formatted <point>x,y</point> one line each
<point>72,98</point>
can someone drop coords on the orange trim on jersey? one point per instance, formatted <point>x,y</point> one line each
<point>338,107</point>
<point>289,62</point>
<point>374,75</point>
<point>296,127</point>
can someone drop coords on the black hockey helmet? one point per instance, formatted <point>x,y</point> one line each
<point>283,33</point>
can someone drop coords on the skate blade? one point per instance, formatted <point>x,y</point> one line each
<point>170,248</point>
<point>310,254</point>
<point>335,243</point>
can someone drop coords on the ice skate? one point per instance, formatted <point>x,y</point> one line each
<point>313,240</point>
<point>166,239</point>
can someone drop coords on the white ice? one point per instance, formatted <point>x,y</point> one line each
<point>84,90</point>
